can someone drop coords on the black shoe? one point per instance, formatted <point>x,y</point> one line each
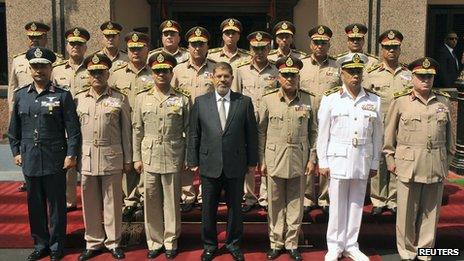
<point>22,188</point>
<point>273,254</point>
<point>295,255</point>
<point>38,254</point>
<point>154,253</point>
<point>307,209</point>
<point>138,215</point>
<point>207,255</point>
<point>263,207</point>
<point>237,254</point>
<point>325,210</point>
<point>246,208</point>
<point>128,214</point>
<point>89,253</point>
<point>186,207</point>
<point>56,255</point>
<point>393,210</point>
<point>376,211</point>
<point>171,254</point>
<point>117,253</point>
<point>71,209</point>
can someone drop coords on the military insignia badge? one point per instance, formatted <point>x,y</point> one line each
<point>95,59</point>
<point>109,26</point>
<point>426,63</point>
<point>231,22</point>
<point>135,38</point>
<point>198,32</point>
<point>355,29</point>
<point>33,27</point>
<point>321,30</point>
<point>38,53</point>
<point>289,62</point>
<point>259,37</point>
<point>160,58</point>
<point>284,26</point>
<point>356,58</point>
<point>76,32</point>
<point>391,35</point>
<point>368,107</point>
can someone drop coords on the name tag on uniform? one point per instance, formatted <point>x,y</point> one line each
<point>368,107</point>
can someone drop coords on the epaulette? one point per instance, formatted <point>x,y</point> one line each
<point>19,54</point>
<point>371,91</point>
<point>300,52</point>
<point>308,92</point>
<point>273,52</point>
<point>210,60</point>
<point>183,61</point>
<point>404,65</point>
<point>244,51</point>
<point>269,91</point>
<point>374,67</point>
<point>116,89</point>
<point>155,50</point>
<point>22,87</point>
<point>59,55</point>
<point>123,51</point>
<point>55,64</point>
<point>83,89</point>
<point>144,90</point>
<point>271,62</point>
<point>214,50</point>
<point>442,93</point>
<point>243,63</point>
<point>340,55</point>
<point>184,92</point>
<point>332,90</point>
<point>332,58</point>
<point>183,49</point>
<point>124,65</point>
<point>371,55</point>
<point>403,92</point>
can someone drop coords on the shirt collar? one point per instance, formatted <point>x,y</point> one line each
<point>315,62</point>
<point>449,48</point>
<point>226,97</point>
<point>49,87</point>
<point>345,92</point>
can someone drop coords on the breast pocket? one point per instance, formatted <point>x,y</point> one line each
<point>111,115</point>
<point>113,158</point>
<point>276,119</point>
<point>340,118</point>
<point>410,122</point>
<point>369,118</point>
<point>84,116</point>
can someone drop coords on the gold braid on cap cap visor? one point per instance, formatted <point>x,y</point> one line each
<point>289,70</point>
<point>110,31</point>
<point>421,70</point>
<point>257,43</point>
<point>322,37</point>
<point>284,31</point>
<point>198,39</point>
<point>351,64</point>
<point>161,66</point>
<point>91,66</point>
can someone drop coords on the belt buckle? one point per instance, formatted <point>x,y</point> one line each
<point>354,142</point>
<point>95,143</point>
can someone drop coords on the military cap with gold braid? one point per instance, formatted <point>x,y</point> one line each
<point>284,27</point>
<point>197,34</point>
<point>40,55</point>
<point>352,60</point>
<point>231,24</point>
<point>110,28</point>
<point>77,34</point>
<point>391,37</point>
<point>170,26</point>
<point>259,38</point>
<point>320,32</point>
<point>289,64</point>
<point>97,61</point>
<point>161,60</point>
<point>425,65</point>
<point>355,30</point>
<point>36,28</point>
<point>137,39</point>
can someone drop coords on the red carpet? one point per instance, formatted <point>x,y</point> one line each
<point>376,234</point>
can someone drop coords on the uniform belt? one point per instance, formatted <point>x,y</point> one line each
<point>288,140</point>
<point>165,138</point>
<point>97,143</point>
<point>353,141</point>
<point>426,145</point>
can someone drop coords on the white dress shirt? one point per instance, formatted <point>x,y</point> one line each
<point>226,101</point>
<point>350,134</point>
<point>452,54</point>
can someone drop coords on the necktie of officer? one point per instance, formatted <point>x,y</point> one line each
<point>222,113</point>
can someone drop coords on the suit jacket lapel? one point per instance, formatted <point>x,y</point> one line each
<point>234,103</point>
<point>214,110</point>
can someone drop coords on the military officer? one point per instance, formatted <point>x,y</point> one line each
<point>105,119</point>
<point>43,114</point>
<point>355,34</point>
<point>254,78</point>
<point>319,73</point>
<point>131,78</point>
<point>418,147</point>
<point>231,29</point>
<point>286,159</point>
<point>72,74</point>
<point>170,39</point>
<point>20,74</point>
<point>111,39</point>
<point>195,77</point>
<point>161,118</point>
<point>386,78</point>
<point>283,32</point>
<point>348,148</point>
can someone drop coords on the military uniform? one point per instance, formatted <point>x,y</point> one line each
<point>420,143</point>
<point>287,130</point>
<point>121,58</point>
<point>37,132</point>
<point>285,27</point>
<point>181,54</point>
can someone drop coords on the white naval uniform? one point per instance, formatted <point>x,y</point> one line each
<point>349,144</point>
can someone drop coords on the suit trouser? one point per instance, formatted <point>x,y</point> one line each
<point>417,217</point>
<point>249,195</point>
<point>101,195</point>
<point>136,197</point>
<point>346,208</point>
<point>262,200</point>
<point>383,187</point>
<point>129,182</point>
<point>212,188</point>
<point>42,192</point>
<point>188,190</point>
<point>162,210</point>
<point>71,185</point>
<point>285,212</point>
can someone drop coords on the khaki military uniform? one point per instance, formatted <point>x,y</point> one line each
<point>218,55</point>
<point>160,126</point>
<point>75,80</point>
<point>372,60</point>
<point>253,82</point>
<point>287,131</point>
<point>318,78</point>
<point>276,54</point>
<point>118,61</point>
<point>106,145</point>
<point>181,54</point>
<point>385,83</point>
<point>419,142</point>
<point>195,83</point>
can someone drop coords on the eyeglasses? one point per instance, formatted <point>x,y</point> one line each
<point>391,47</point>
<point>353,71</point>
<point>320,42</point>
<point>96,73</point>
<point>169,33</point>
<point>162,71</point>
<point>288,75</point>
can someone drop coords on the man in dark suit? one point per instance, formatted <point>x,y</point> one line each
<point>449,62</point>
<point>223,145</point>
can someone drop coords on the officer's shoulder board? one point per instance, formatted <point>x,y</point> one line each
<point>307,92</point>
<point>21,87</point>
<point>115,89</point>
<point>403,92</point>
<point>300,52</point>
<point>371,91</point>
<point>155,50</point>
<point>19,54</point>
<point>273,52</point>
<point>340,55</point>
<point>59,55</point>
<point>371,55</point>
<point>123,51</point>
<point>55,64</point>
<point>83,89</point>
<point>244,51</point>
<point>330,57</point>
<point>184,92</point>
<point>441,93</point>
<point>244,63</point>
<point>144,90</point>
<point>209,60</point>
<point>269,91</point>
<point>214,50</point>
<point>374,67</point>
<point>332,90</point>
<point>183,49</point>
<point>123,65</point>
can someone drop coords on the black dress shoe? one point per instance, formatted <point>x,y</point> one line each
<point>117,253</point>
<point>89,253</point>
<point>138,215</point>
<point>186,207</point>
<point>22,188</point>
<point>295,255</point>
<point>325,210</point>
<point>376,211</point>
<point>128,214</point>
<point>246,208</point>
<point>56,255</point>
<point>38,254</point>
<point>171,254</point>
<point>237,254</point>
<point>273,254</point>
<point>207,255</point>
<point>154,253</point>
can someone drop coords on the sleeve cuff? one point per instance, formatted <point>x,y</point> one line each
<point>375,164</point>
<point>390,160</point>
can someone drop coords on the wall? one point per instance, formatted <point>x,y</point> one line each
<point>304,18</point>
<point>123,11</point>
